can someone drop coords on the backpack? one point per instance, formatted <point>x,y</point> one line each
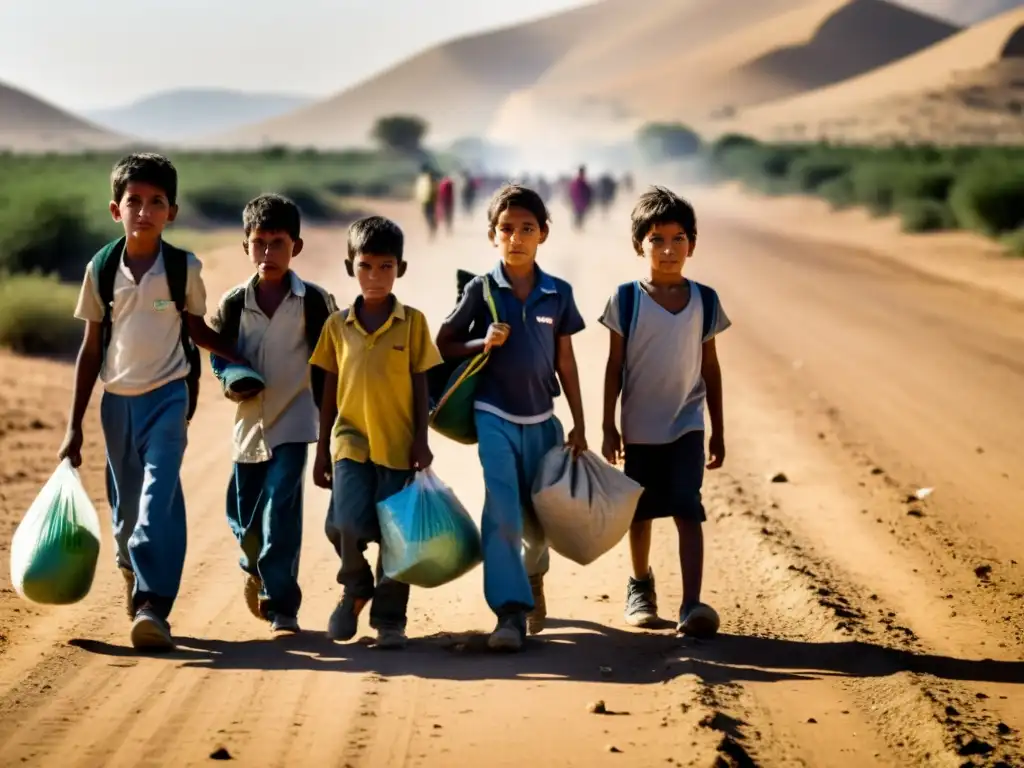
<point>628,297</point>
<point>106,264</point>
<point>315,311</point>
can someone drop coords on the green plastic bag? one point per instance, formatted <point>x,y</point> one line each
<point>427,537</point>
<point>57,544</point>
<point>453,413</point>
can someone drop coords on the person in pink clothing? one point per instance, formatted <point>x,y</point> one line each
<point>446,202</point>
<point>580,196</point>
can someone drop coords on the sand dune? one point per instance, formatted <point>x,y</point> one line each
<point>456,87</point>
<point>754,53</point>
<point>29,124</point>
<point>970,86</point>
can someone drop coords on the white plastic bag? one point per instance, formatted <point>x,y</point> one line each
<point>56,546</point>
<point>427,536</point>
<point>584,504</point>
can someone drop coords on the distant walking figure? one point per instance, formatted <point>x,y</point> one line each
<point>580,195</point>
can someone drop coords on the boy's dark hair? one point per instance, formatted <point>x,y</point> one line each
<point>274,213</point>
<point>147,168</point>
<point>662,206</point>
<point>516,196</point>
<point>375,235</point>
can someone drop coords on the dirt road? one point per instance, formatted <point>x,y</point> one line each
<point>861,626</point>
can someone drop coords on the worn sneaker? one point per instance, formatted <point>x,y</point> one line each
<point>279,622</point>
<point>508,635</point>
<point>641,602</point>
<point>129,591</point>
<point>253,588</point>
<point>344,621</point>
<point>535,619</point>
<point>391,639</point>
<point>698,620</point>
<point>150,631</point>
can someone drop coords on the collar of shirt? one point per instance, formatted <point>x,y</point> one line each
<point>397,314</point>
<point>544,282</point>
<point>295,285</point>
<point>157,267</point>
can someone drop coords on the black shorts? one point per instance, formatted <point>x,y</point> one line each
<point>672,475</point>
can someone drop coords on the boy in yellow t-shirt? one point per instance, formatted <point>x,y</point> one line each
<point>373,435</point>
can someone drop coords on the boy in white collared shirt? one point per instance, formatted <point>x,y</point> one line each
<point>276,319</point>
<point>143,301</point>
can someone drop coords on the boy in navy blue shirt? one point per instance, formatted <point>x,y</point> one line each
<point>531,351</point>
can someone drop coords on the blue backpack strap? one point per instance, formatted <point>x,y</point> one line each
<point>629,304</point>
<point>709,301</point>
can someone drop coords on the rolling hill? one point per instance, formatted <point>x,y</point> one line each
<point>968,88</point>
<point>185,114</point>
<point>29,124</point>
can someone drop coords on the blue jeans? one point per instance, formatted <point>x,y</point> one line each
<point>146,438</point>
<point>264,509</point>
<point>513,541</point>
<point>352,524</point>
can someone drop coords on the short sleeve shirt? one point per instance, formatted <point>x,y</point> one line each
<point>519,382</point>
<point>145,350</point>
<point>375,396</point>
<point>663,392</point>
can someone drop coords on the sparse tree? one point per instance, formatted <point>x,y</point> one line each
<point>402,133</point>
<point>666,141</point>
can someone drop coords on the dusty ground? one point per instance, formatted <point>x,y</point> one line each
<point>859,628</point>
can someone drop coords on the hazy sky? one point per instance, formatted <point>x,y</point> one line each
<point>84,54</point>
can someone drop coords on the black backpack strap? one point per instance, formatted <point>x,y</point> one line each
<point>709,301</point>
<point>316,311</point>
<point>231,307</point>
<point>176,269</point>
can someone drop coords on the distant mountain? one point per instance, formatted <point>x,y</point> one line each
<point>30,124</point>
<point>185,114</point>
<point>962,12</point>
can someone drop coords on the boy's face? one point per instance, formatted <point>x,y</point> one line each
<point>518,234</point>
<point>376,274</point>
<point>271,252</point>
<point>144,210</point>
<point>666,247</point>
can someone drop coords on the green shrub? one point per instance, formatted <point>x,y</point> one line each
<point>989,200</point>
<point>874,187</point>
<point>924,182</point>
<point>925,215</point>
<point>1014,242</point>
<point>215,205</point>
<point>49,236</point>
<point>809,173</point>
<point>838,192</point>
<point>37,315</point>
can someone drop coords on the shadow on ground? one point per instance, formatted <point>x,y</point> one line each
<point>580,651</point>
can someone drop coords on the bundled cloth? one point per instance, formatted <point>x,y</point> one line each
<point>56,546</point>
<point>427,537</point>
<point>584,505</point>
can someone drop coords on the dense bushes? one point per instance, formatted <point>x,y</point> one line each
<point>54,217</point>
<point>929,188</point>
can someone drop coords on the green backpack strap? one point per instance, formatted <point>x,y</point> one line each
<point>489,299</point>
<point>105,264</point>
<point>316,311</point>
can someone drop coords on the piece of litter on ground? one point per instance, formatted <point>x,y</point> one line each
<point>923,493</point>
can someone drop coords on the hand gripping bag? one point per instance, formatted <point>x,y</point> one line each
<point>427,537</point>
<point>56,546</point>
<point>584,505</point>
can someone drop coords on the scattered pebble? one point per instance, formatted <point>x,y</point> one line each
<point>915,513</point>
<point>951,711</point>
<point>812,721</point>
<point>613,749</point>
<point>981,696</point>
<point>597,708</point>
<point>877,471</point>
<point>780,478</point>
<point>983,571</point>
<point>221,754</point>
<point>1003,729</point>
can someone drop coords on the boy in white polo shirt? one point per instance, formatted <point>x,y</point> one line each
<point>143,302</point>
<point>275,318</point>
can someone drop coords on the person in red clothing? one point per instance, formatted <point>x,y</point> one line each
<point>446,202</point>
